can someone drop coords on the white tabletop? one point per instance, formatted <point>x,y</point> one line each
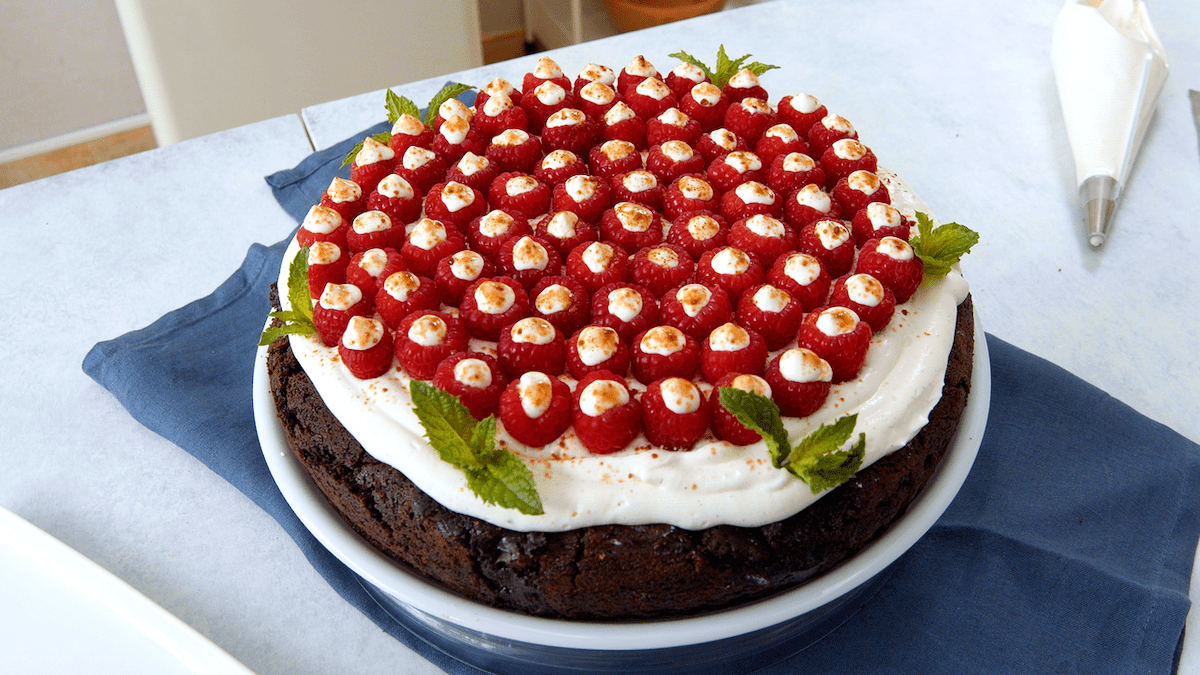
<point>958,98</point>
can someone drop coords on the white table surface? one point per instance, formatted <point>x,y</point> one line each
<point>956,97</point>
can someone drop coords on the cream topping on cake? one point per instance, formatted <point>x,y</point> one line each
<point>373,151</point>
<point>702,227</point>
<point>341,191</point>
<point>814,197</point>
<point>321,220</point>
<point>452,108</point>
<point>864,289</point>
<point>640,67</point>
<point>553,299</point>
<point>362,333</point>
<point>743,79</point>
<point>706,94</point>
<point>653,88</point>
<point>803,365</point>
<point>680,396</point>
<point>597,92</point>
<point>324,253</point>
<point>730,260</point>
<point>836,321</point>
<point>401,285</point>
<point>473,373</point>
<point>754,383</point>
<point>454,130</point>
<point>753,192</point>
<point>470,164</point>
<point>601,396</point>
<point>428,331</point>
<point>510,137</point>
<point>693,187</point>
<point>678,151</point>
<point>372,221</point>
<point>688,71</point>
<point>550,93</point>
<point>617,149</point>
<point>519,185</point>
<point>849,149</point>
<point>895,248</point>
<point>580,188</point>
<point>802,268</point>
<point>416,157</point>
<point>499,85</point>
<point>618,113</point>
<point>532,330</point>
<point>597,256</point>
<point>466,265</point>
<point>837,123</point>
<point>395,187</point>
<point>771,299</point>
<point>883,215</point>
<point>728,337</point>
<point>559,159</point>
<point>783,132</point>
<point>426,234</point>
<point>547,69</point>
<point>596,344</point>
<point>567,117</point>
<point>743,161</point>
<point>594,72</point>
<point>724,138</point>
<point>633,216</point>
<point>529,255</point>
<point>408,125</point>
<point>624,303</point>
<point>693,298</point>
<point>663,257</point>
<point>674,117</point>
<point>831,234</point>
<point>456,196</point>
<point>756,105</point>
<point>663,340</point>
<point>804,103</point>
<point>535,392</point>
<point>795,162</point>
<point>494,297</point>
<point>562,225</point>
<point>765,226</point>
<point>340,296</point>
<point>639,181</point>
<point>495,223</point>
<point>497,103</point>
<point>373,261</point>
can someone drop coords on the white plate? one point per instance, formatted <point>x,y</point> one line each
<point>442,606</point>
<point>63,613</point>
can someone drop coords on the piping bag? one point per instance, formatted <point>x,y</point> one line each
<point>1110,68</point>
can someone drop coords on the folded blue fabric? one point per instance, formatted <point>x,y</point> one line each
<point>1069,548</point>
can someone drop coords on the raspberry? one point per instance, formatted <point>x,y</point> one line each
<point>562,301</point>
<point>730,348</point>
<point>894,263</point>
<point>427,243</point>
<point>749,199</point>
<point>564,231</point>
<point>640,186</point>
<point>497,85</point>
<point>595,99</point>
<point>407,132</point>
<point>605,413</point>
<point>672,125</point>
<point>689,194</point>
<point>626,308</point>
<point>403,293</point>
<point>830,242</point>
<point>801,112</point>
<point>371,164</point>
<point>823,134</point>
<point>675,413</point>
<point>650,98</point>
<point>698,233</point>
<point>531,344</point>
<point>556,167</point>
<point>731,170</point>
<point>594,72</point>
<point>492,229</point>
<point>515,150</point>
<point>455,272</point>
<point>772,313</point>
<point>331,314</point>
<point>455,204</point>
<point>662,267</point>
<point>544,100</point>
<point>597,264</point>
<point>326,265</point>
<point>546,70</point>
<point>631,226</point>
<point>672,160</point>
<point>792,171</point>
<point>519,193</point>
<point>706,104</point>
<point>322,224</point>
<point>878,220</point>
<point>366,348</point>
<point>367,269</point>
<point>425,338</point>
<point>613,158</point>
<point>456,138</point>
<point>535,409</point>
<point>837,335</point>
<point>683,77</point>
<point>499,114</point>
<point>720,142</point>
<point>749,118</point>
<point>570,129</point>
<point>868,298</point>
<point>695,309</point>
<point>475,378</point>
<point>421,168</point>
<point>800,381</point>
<point>779,140</point>
<point>395,197</point>
<point>585,196</point>
<point>724,425</point>
<point>492,303</point>
<point>845,157</point>
<point>664,351</point>
<point>450,109</point>
<point>857,190</point>
<point>374,229</point>
<point>621,123</point>
<point>527,260</point>
<point>808,205</point>
<point>596,348</point>
<point>744,84</point>
<point>730,268</point>
<point>634,74</point>
<point>474,171</point>
<point>803,277</point>
<point>762,236</point>
<point>345,197</point>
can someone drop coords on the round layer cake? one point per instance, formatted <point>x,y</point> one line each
<point>635,530</point>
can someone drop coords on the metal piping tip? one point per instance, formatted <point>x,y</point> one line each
<point>1099,195</point>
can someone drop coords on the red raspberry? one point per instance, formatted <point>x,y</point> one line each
<point>326,265</point>
<point>497,85</point>
<point>695,309</point>
<point>730,348</point>
<point>556,167</point>
<point>689,194</point>
<point>749,118</point>
<point>455,272</point>
<point>597,264</point>
<point>403,293</point>
<point>594,72</point>
<point>748,199</point>
<point>395,197</point>
<point>801,112</point>
<point>720,142</point>
<point>613,158</point>
<point>822,135</point>
<point>675,413</point>
<point>698,233</point>
<point>605,414</point>
<point>450,109</point>
<point>421,168</point>
<point>545,71</point>
<point>792,171</point>
<point>427,243</point>
<point>499,114</point>
<point>724,425</point>
<point>519,193</point>
<point>531,344</point>
<point>869,299</point>
<point>857,190</point>
<point>515,150</point>
<point>744,84</point>
<point>425,338</point>
<point>730,268</point>
<point>621,123</point>
<point>455,204</point>
<point>706,104</point>
<point>683,77</point>
<point>475,378</point>
<point>544,100</point>
<point>331,314</point>
<point>808,205</point>
<point>374,229</point>
<point>845,157</point>
<point>672,125</point>
<point>345,197</point>
<point>492,229</point>
<point>366,348</point>
<point>878,220</point>
<point>474,171</point>
<point>631,226</point>
<point>456,138</point>
<point>322,224</point>
<point>635,73</point>
<point>800,381</point>
<point>803,277</point>
<point>562,301</point>
<point>596,348</point>
<point>408,131</point>
<point>595,99</point>
<point>779,140</point>
<point>492,303</point>
<point>527,260</point>
<point>662,267</point>
<point>650,98</point>
<point>837,335</point>
<point>570,129</point>
<point>547,398</point>
<point>626,308</point>
<point>731,170</point>
<point>830,242</point>
<point>762,236</point>
<point>772,313</point>
<point>664,351</point>
<point>371,164</point>
<point>641,187</point>
<point>894,263</point>
<point>367,269</point>
<point>672,160</point>
<point>564,231</point>
<point>585,196</point>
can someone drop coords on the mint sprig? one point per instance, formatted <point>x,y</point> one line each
<point>726,68</point>
<point>398,106</point>
<point>299,319</point>
<point>496,475</point>
<point>941,247</point>
<point>817,459</point>
<point>448,92</point>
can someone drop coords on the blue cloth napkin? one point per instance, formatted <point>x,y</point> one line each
<point>1068,550</point>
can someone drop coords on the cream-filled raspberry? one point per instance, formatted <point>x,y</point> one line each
<point>532,344</point>
<point>664,351</point>
<point>732,349</point>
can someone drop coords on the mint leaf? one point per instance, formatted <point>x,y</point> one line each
<point>448,424</point>
<point>940,248</point>
<point>760,68</point>
<point>299,319</point>
<point>817,460</point>
<point>725,68</point>
<point>688,58</point>
<point>384,137</point>
<point>448,92</point>
<point>398,106</point>
<point>507,482</point>
<point>759,413</point>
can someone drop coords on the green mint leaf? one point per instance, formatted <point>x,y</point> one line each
<point>299,319</point>
<point>759,413</point>
<point>726,68</point>
<point>688,58</point>
<point>384,137</point>
<point>448,92</point>
<point>507,482</point>
<point>940,248</point>
<point>760,68</point>
<point>273,333</point>
<point>448,425</point>
<point>398,106</point>
<point>817,460</point>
